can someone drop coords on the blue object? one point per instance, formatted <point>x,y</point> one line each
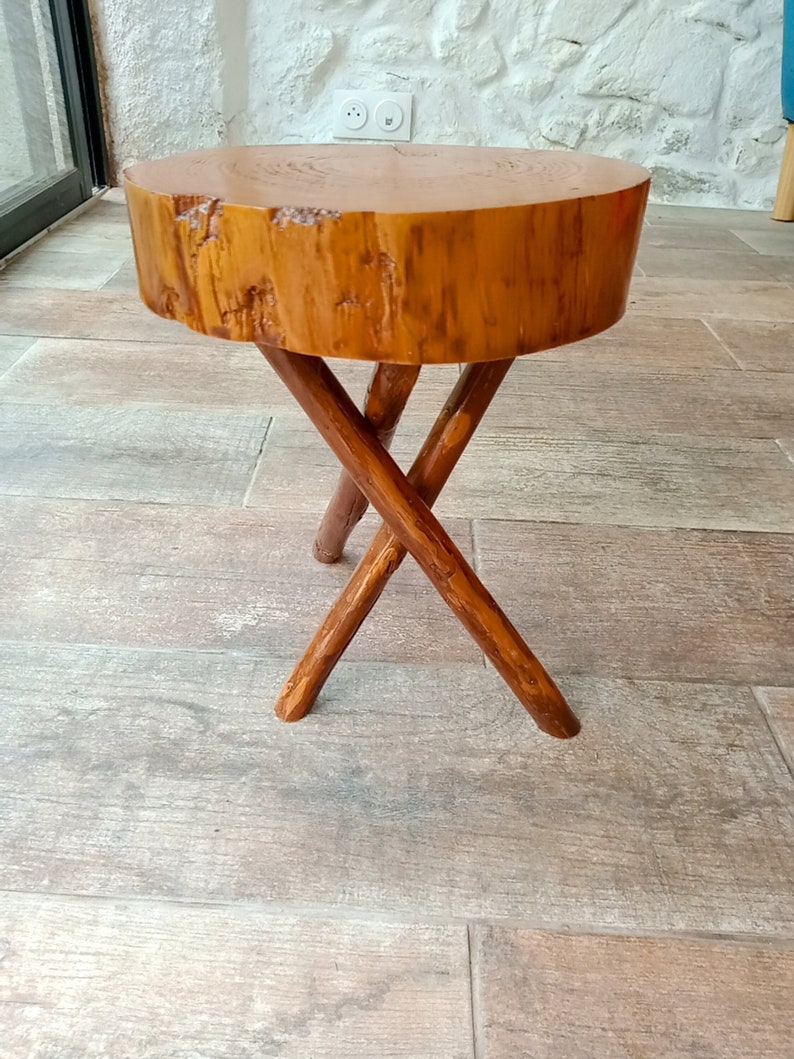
<point>787,87</point>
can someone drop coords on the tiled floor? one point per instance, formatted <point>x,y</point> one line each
<point>413,871</point>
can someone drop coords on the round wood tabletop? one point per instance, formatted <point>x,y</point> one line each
<point>403,253</point>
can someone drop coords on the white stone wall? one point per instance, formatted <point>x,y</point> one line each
<point>689,88</point>
<point>160,70</point>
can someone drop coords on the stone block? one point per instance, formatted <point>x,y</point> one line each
<point>389,46</point>
<point>584,21</point>
<point>651,60</point>
<point>752,94</point>
<point>739,18</point>
<point>671,184</point>
<point>467,12</point>
<point>478,57</point>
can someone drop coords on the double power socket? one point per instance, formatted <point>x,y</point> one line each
<point>368,115</point>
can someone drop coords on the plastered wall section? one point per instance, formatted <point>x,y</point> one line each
<point>689,88</point>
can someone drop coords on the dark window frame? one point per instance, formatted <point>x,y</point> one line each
<point>35,207</point>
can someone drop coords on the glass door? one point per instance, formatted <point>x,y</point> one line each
<point>51,149</point>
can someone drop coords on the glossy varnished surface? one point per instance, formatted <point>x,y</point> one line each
<point>413,254</point>
<point>405,178</point>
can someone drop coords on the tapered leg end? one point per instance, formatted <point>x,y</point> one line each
<point>545,703</point>
<point>294,702</point>
<point>563,724</point>
<point>324,555</point>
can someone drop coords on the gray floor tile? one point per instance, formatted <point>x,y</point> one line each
<point>166,576</point>
<point>708,216</point>
<point>712,298</point>
<point>775,238</point>
<point>551,995</point>
<point>544,396</point>
<point>623,479</point>
<point>644,342</point>
<point>413,790</point>
<point>41,267</point>
<point>692,237</point>
<point>130,980</point>
<point>698,264</point>
<point>132,454</point>
<point>112,315</point>
<point>756,346</point>
<point>674,604</point>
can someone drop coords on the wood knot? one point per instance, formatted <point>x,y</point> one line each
<point>303,215</point>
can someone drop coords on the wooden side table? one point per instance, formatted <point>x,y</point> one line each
<point>403,255</point>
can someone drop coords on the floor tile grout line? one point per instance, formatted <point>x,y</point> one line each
<point>562,523</point>
<point>352,913</point>
<point>176,505</point>
<point>712,222</point>
<point>474,559</point>
<point>250,654</point>
<point>475,567</point>
<point>257,463</point>
<point>475,544</point>
<point>774,731</point>
<point>21,357</point>
<point>113,276</point>
<point>165,340</point>
<point>548,355</point>
<point>476,562</point>
<point>115,240</point>
<point>242,654</point>
<point>789,457</point>
<point>730,352</point>
<point>653,527</point>
<point>477,1034</point>
<point>732,252</point>
<point>737,232</point>
<point>476,521</point>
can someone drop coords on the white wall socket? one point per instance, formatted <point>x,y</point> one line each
<point>368,115</point>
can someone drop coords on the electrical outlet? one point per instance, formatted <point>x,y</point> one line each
<point>353,115</point>
<point>369,115</point>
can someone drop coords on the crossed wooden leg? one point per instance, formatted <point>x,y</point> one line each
<point>445,444</point>
<point>402,505</point>
<point>387,394</point>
